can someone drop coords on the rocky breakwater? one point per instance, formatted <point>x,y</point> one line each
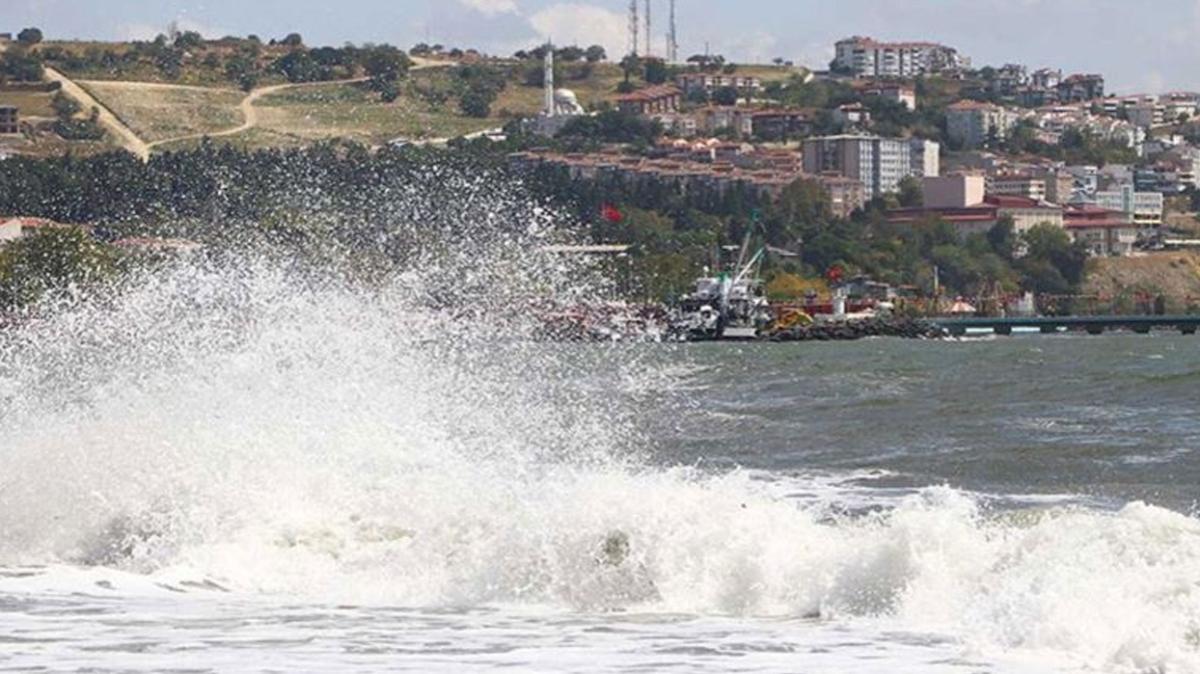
<point>827,331</point>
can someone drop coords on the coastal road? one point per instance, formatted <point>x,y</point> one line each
<point>124,136</point>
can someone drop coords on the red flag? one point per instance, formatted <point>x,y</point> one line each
<point>834,274</point>
<point>610,213</point>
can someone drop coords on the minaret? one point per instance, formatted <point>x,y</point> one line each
<point>548,78</point>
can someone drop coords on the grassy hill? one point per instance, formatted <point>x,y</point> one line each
<point>172,93</point>
<point>160,112</point>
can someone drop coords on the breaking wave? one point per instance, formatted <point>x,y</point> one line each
<point>269,432</point>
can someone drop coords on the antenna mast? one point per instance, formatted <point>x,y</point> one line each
<point>633,27</point>
<point>672,38</point>
<point>649,32</point>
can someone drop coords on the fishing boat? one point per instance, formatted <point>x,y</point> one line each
<point>729,306</point>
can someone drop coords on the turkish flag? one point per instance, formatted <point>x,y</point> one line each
<point>610,213</point>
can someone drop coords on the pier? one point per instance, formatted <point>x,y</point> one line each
<point>1093,325</point>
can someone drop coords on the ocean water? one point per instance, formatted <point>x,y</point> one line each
<point>230,472</point>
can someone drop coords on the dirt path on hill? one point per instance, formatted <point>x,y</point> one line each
<point>250,115</point>
<point>125,136</point>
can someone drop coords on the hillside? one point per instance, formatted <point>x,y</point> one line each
<point>1176,275</point>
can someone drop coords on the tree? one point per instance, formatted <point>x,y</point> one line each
<point>569,54</point>
<point>55,261</point>
<point>595,54</point>
<point>656,71</point>
<point>726,96</point>
<point>189,39</point>
<point>1050,247</point>
<point>64,106</point>
<point>292,40</point>
<point>631,65</point>
<point>1003,238</point>
<point>477,102</point>
<point>20,67</point>
<point>29,36</point>
<point>910,192</point>
<point>385,63</point>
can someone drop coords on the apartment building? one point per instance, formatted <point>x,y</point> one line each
<point>924,157</point>
<point>972,123</point>
<point>1143,208</point>
<point>1081,88</point>
<point>1017,185</point>
<point>897,93</point>
<point>866,57</point>
<point>878,163</point>
<point>711,82</point>
<point>652,100</point>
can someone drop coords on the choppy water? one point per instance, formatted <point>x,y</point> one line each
<point>228,473</point>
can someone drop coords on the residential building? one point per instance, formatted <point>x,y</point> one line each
<point>710,82</point>
<point>1144,115</point>
<point>10,120</point>
<point>878,163</point>
<point>1086,181</point>
<point>897,93</point>
<point>1036,97</point>
<point>866,57</point>
<point>846,195</point>
<point>716,118</point>
<point>1059,184</point>
<point>1008,78</point>
<point>780,124</point>
<point>924,157</point>
<point>1045,78</point>
<point>851,115</point>
<point>1081,88</point>
<point>687,178</point>
<point>677,124</point>
<point>973,123</point>
<point>1019,185</point>
<point>1104,232</point>
<point>1143,208</point>
<point>651,100</point>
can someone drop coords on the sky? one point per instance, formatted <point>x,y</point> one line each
<point>1140,47</point>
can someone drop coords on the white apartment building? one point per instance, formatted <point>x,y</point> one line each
<point>866,57</point>
<point>878,163</point>
<point>971,123</point>
<point>1144,208</point>
<point>925,156</point>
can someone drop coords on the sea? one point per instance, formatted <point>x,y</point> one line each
<point>231,474</point>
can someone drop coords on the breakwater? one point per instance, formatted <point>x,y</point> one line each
<point>858,329</point>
